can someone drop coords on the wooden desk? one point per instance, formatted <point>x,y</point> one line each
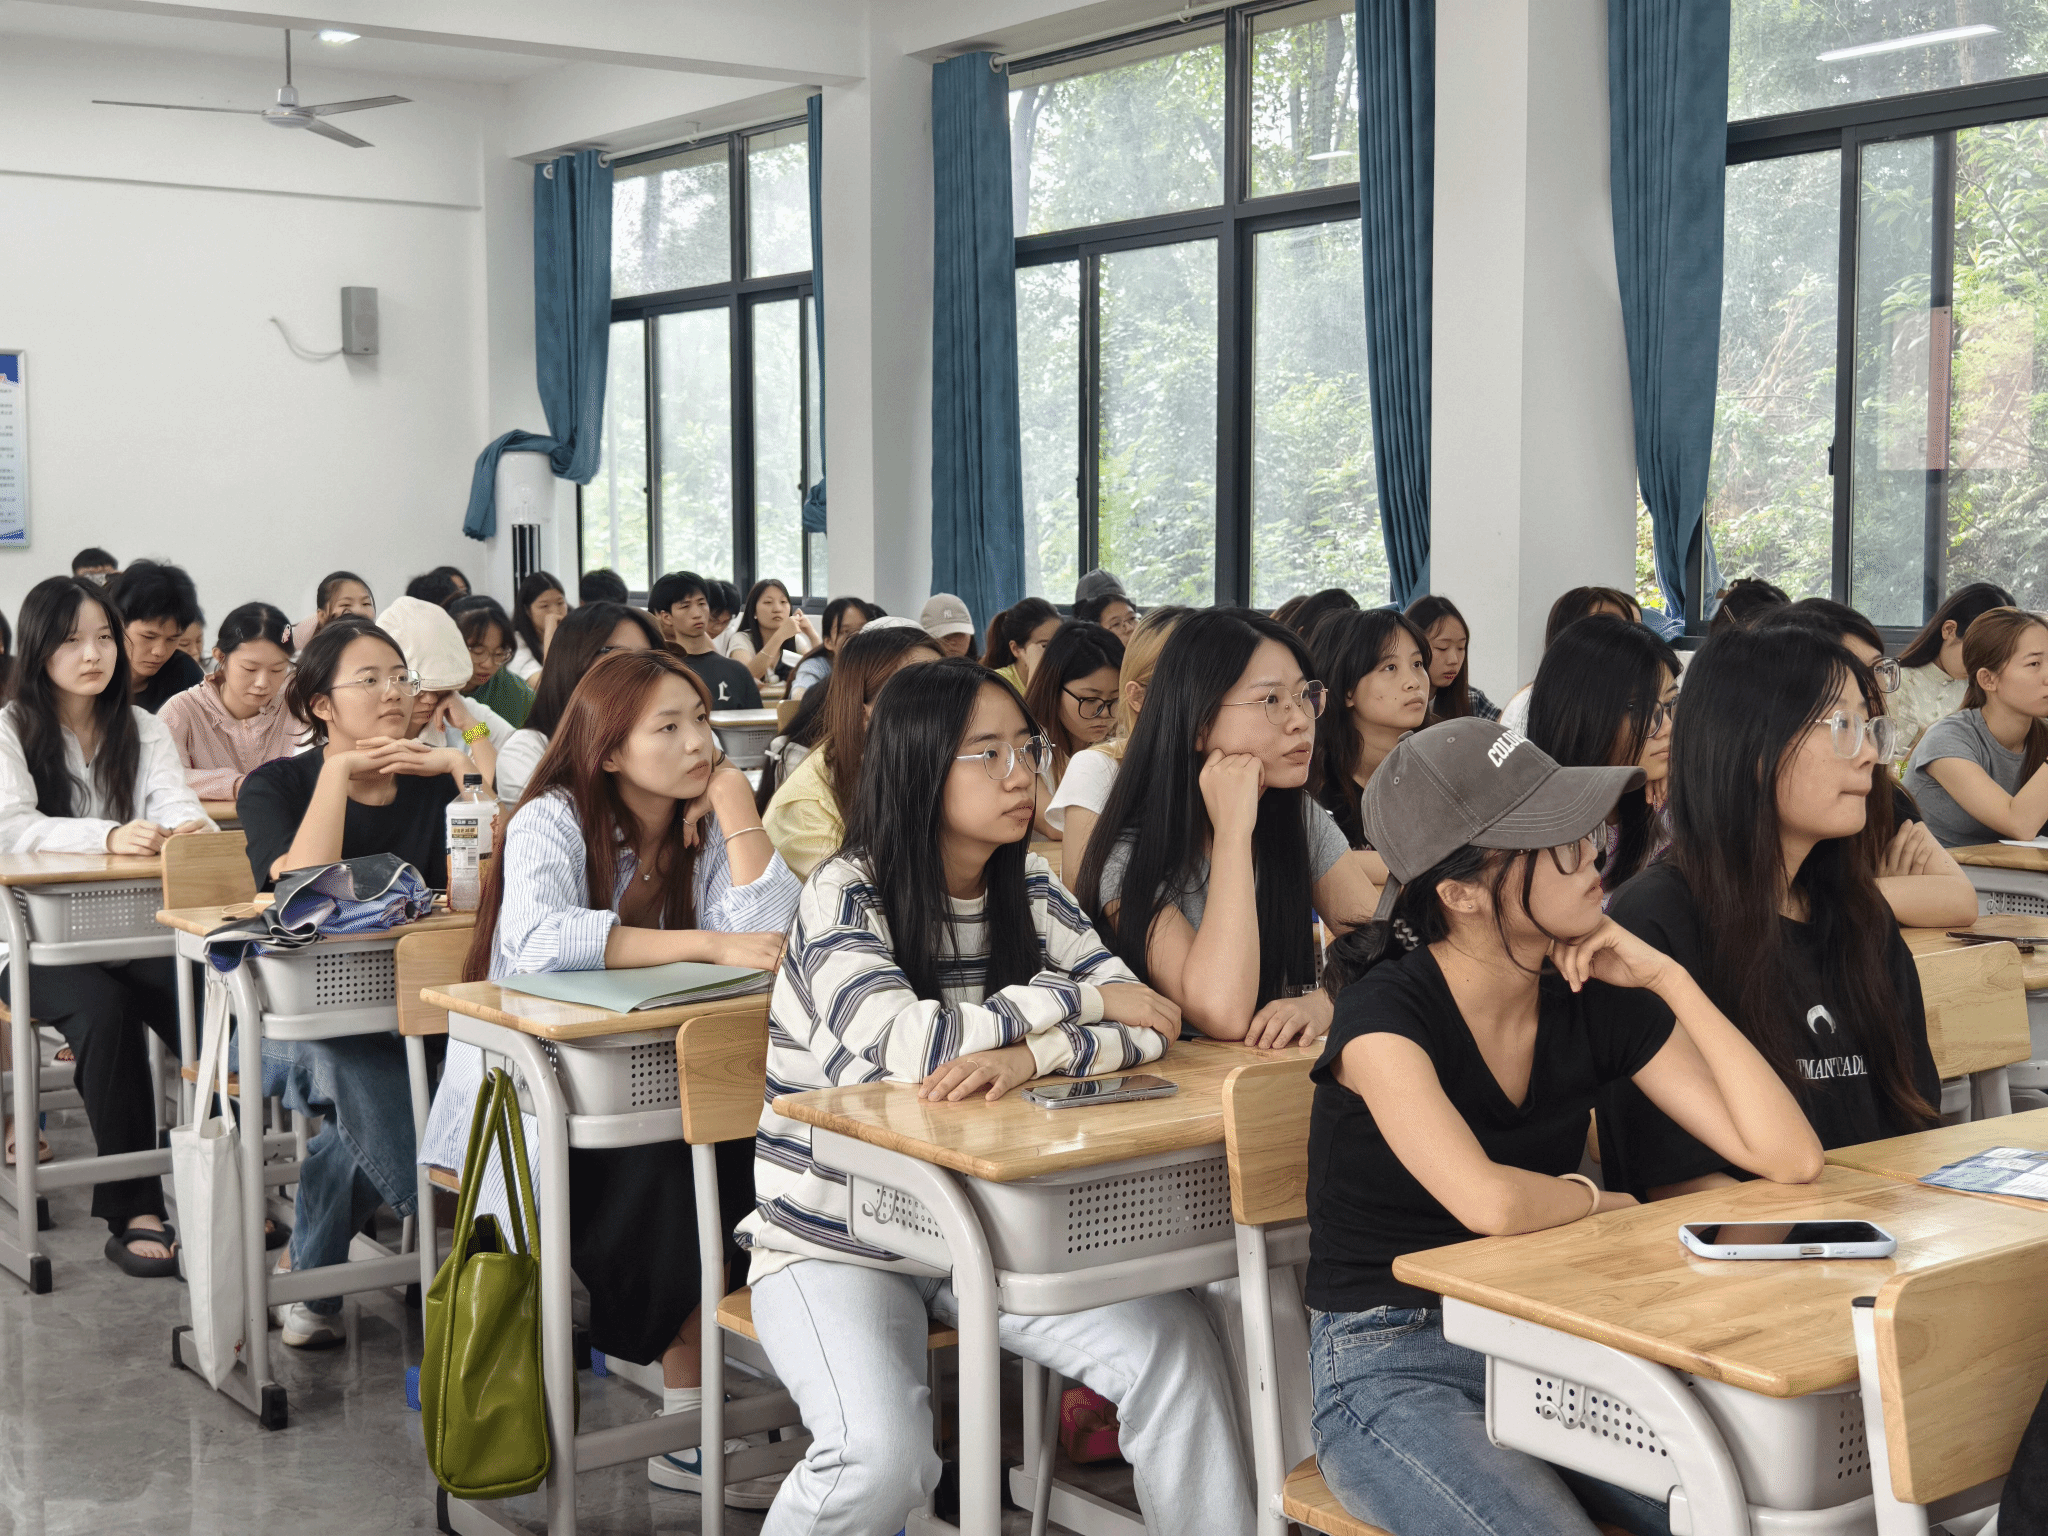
<point>547,1019</point>
<point>2033,968</point>
<point>221,813</point>
<point>200,921</point>
<point>1776,1328</point>
<point>1016,1139</point>
<point>76,868</point>
<point>2000,856</point>
<point>1910,1158</point>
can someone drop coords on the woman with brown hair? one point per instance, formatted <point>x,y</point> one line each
<point>806,820</point>
<point>1931,676</point>
<point>593,631</point>
<point>1977,773</point>
<point>635,844</point>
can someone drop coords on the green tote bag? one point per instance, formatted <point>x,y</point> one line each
<point>484,1415</point>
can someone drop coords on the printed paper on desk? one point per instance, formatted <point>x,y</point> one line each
<point>1998,1171</point>
<point>651,986</point>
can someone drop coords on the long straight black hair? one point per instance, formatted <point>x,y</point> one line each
<point>534,586</point>
<point>893,827</point>
<point>1454,700</point>
<point>1157,814</point>
<point>1590,707</point>
<point>1078,649</point>
<point>1348,644</point>
<point>48,615</point>
<point>1749,697</point>
<point>1961,608</point>
<point>579,640</point>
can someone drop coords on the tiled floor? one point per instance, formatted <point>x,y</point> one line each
<point>100,1434</point>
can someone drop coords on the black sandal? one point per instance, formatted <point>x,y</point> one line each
<point>133,1263</point>
<point>275,1234</point>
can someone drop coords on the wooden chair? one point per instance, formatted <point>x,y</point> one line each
<point>203,870</point>
<point>423,960</point>
<point>784,713</point>
<point>1951,1360</point>
<point>1977,1019</point>
<point>722,1076</point>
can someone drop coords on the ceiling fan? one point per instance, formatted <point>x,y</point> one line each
<point>287,113</point>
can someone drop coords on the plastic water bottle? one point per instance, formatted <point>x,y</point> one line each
<point>470,817</point>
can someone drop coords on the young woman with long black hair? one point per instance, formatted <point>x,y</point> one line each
<point>1604,698</point>
<point>806,819</point>
<point>538,608</point>
<point>82,770</point>
<point>594,630</point>
<point>843,618</point>
<point>236,720</point>
<point>1977,773</point>
<point>934,950</point>
<point>1932,677</point>
<point>1923,886</point>
<point>1450,663</point>
<point>770,620</point>
<point>1766,898</point>
<point>1376,664</point>
<point>1211,860</point>
<point>1477,1018</point>
<point>1018,636</point>
<point>1072,698</point>
<point>635,844</point>
<point>1570,607</point>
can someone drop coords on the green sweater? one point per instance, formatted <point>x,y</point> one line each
<point>507,695</point>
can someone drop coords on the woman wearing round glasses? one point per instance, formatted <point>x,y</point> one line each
<point>1210,861</point>
<point>487,632</point>
<point>1767,899</point>
<point>1072,699</point>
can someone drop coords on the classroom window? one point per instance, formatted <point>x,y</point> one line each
<point>713,341</point>
<point>1190,311</point>
<point>1884,314</point>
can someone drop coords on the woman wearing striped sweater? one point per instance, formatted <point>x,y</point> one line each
<point>933,950</point>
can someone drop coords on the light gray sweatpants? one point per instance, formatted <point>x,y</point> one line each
<point>849,1344</point>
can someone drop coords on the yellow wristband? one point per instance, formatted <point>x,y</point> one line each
<point>475,734</point>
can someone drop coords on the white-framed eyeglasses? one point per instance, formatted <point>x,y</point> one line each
<point>1847,733</point>
<point>999,762</point>
<point>405,684</point>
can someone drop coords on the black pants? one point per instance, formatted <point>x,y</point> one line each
<point>103,1012</point>
<point>633,1238</point>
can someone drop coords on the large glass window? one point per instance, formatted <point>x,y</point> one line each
<point>712,341</point>
<point>1875,442</point>
<point>1190,306</point>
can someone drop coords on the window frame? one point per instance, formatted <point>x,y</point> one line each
<point>1845,130</point>
<point>1233,224</point>
<point>739,295</point>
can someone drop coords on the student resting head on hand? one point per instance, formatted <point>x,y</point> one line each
<point>537,607</point>
<point>1767,900</point>
<point>934,951</point>
<point>844,617</point>
<point>1477,1017</point>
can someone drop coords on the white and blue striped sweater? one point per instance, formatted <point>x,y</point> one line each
<point>844,1013</point>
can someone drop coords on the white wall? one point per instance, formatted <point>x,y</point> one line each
<point>148,251</point>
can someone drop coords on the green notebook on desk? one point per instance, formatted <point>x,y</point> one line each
<point>649,986</point>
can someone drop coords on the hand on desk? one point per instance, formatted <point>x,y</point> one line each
<point>998,1071</point>
<point>139,838</point>
<point>1291,1021</point>
<point>756,951</point>
<point>1137,1006</point>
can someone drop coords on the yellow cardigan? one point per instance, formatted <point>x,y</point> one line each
<point>803,820</point>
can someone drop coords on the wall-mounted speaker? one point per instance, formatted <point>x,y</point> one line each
<point>359,322</point>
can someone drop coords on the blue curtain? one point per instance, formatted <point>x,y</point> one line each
<point>814,498</point>
<point>1667,92</point>
<point>1397,192</point>
<point>572,316</point>
<point>977,475</point>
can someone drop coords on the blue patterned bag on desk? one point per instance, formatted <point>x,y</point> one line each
<point>365,895</point>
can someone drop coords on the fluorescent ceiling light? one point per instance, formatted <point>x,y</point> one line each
<point>334,35</point>
<point>1333,154</point>
<point>1917,40</point>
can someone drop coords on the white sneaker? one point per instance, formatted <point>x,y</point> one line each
<point>684,1472</point>
<point>307,1329</point>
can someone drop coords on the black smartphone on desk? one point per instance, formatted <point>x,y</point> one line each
<point>1101,1090</point>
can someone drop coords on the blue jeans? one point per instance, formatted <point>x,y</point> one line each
<point>363,1156</point>
<point>1400,1423</point>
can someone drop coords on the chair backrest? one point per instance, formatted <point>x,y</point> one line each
<point>1962,1354</point>
<point>429,959</point>
<point>1976,1008</point>
<point>784,713</point>
<point>1265,1134</point>
<point>722,1067</point>
<point>207,869</point>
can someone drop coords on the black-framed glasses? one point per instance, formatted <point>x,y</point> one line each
<point>502,655</point>
<point>1280,706</point>
<point>1661,715</point>
<point>999,762</point>
<point>1090,709</point>
<point>1568,857</point>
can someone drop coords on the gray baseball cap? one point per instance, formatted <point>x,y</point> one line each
<point>1472,782</point>
<point>944,614</point>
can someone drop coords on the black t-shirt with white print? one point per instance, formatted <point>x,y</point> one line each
<point>1641,1148</point>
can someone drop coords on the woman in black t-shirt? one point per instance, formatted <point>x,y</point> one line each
<point>1769,900</point>
<point>1451,1100</point>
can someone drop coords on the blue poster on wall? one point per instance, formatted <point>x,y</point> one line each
<point>13,449</point>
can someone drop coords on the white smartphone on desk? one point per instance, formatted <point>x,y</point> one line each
<point>1788,1240</point>
<point>1101,1090</point>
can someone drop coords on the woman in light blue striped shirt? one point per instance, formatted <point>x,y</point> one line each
<point>635,844</point>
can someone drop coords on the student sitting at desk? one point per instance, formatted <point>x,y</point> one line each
<point>439,657</point>
<point>538,609</point>
<point>1768,900</point>
<point>84,771</point>
<point>487,631</point>
<point>933,950</point>
<point>1451,1101</point>
<point>1072,698</point>
<point>157,602</point>
<point>843,618</point>
<point>1376,663</point>
<point>1210,860</point>
<point>1977,773</point>
<point>594,630</point>
<point>681,603</point>
<point>367,787</point>
<point>236,720</point>
<point>805,818</point>
<point>636,844</point>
